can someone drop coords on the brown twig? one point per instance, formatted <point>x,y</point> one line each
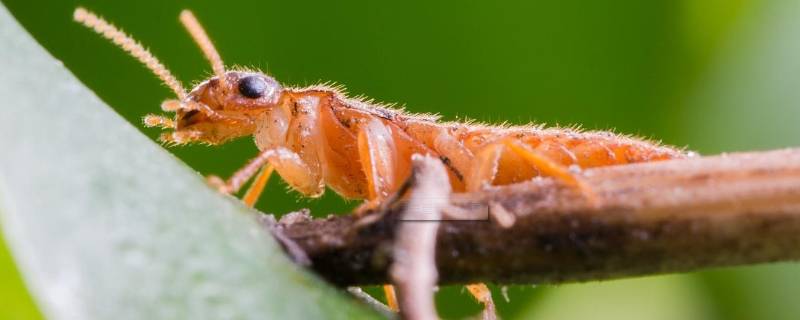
<point>661,217</point>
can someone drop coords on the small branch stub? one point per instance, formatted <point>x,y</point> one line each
<point>414,270</point>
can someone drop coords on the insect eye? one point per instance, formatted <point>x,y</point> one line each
<point>252,87</point>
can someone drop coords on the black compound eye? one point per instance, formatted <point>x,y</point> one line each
<point>252,87</point>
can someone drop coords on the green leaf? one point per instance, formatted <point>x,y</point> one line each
<point>105,224</point>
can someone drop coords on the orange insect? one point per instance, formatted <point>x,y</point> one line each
<point>316,136</point>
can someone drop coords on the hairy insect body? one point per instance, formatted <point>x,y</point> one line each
<point>364,152</point>
<point>316,137</point>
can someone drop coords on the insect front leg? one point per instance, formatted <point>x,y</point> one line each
<point>257,187</point>
<point>304,138</point>
<point>240,177</point>
<point>288,164</point>
<point>290,145</point>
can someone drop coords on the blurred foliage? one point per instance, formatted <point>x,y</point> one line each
<point>711,75</point>
<point>14,303</point>
<point>653,298</point>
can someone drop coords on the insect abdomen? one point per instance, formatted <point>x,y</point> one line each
<point>458,144</point>
<point>564,147</point>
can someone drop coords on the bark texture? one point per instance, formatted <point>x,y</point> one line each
<point>651,218</point>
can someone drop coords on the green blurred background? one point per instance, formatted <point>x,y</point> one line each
<point>716,76</point>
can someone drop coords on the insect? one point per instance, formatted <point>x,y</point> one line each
<point>316,136</point>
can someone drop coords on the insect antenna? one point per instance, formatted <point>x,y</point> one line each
<point>204,42</point>
<point>135,49</point>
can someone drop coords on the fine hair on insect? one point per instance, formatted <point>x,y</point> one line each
<point>316,137</point>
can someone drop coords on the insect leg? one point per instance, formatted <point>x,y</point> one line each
<point>288,164</point>
<point>254,192</point>
<point>481,293</point>
<point>482,172</point>
<point>298,164</point>
<point>457,156</point>
<point>377,153</point>
<point>235,182</point>
<point>391,297</point>
<point>548,167</point>
<point>304,138</point>
<point>484,167</point>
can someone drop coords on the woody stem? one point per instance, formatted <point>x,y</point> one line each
<point>660,217</point>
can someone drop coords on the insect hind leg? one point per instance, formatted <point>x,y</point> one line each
<point>551,168</point>
<point>483,295</point>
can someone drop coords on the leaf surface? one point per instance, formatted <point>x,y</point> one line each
<point>105,224</point>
